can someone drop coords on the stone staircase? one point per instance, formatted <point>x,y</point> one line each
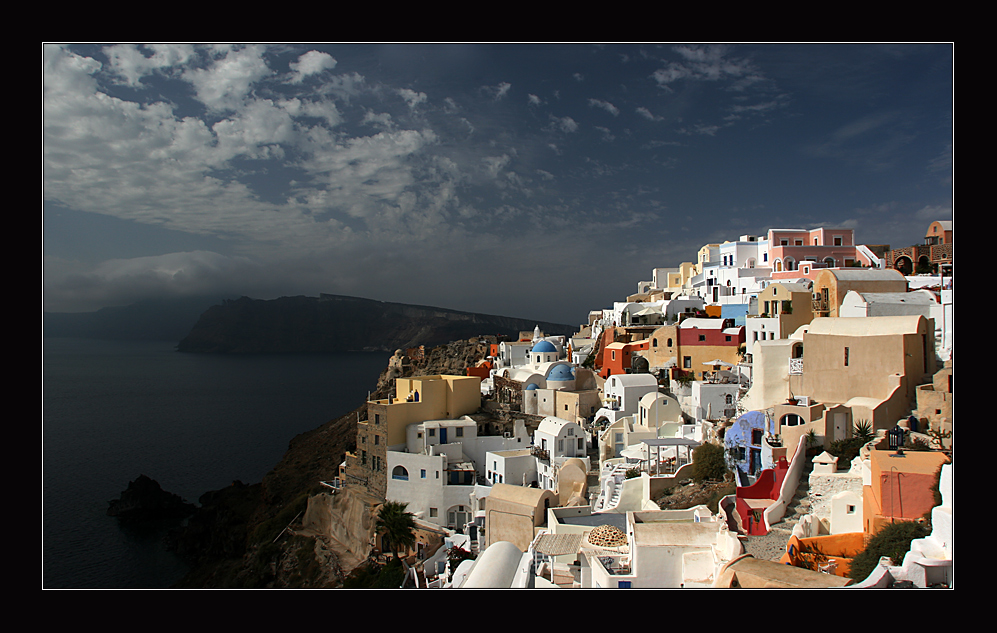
<point>773,545</point>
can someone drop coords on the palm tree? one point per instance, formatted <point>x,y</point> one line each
<point>397,524</point>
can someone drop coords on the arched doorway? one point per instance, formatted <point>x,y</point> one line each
<point>904,265</point>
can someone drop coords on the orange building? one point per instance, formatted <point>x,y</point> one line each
<point>617,357</point>
<point>901,487</point>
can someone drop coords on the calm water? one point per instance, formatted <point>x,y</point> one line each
<point>114,410</point>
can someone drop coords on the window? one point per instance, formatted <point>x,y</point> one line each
<point>377,418</point>
<point>837,240</point>
<point>433,513</point>
<point>654,342</point>
<point>565,407</point>
<point>728,338</point>
<point>460,431</point>
<point>702,337</point>
<point>846,357</point>
<point>560,446</point>
<point>581,443</point>
<point>798,242</point>
<point>363,458</point>
<point>669,342</point>
<point>687,362</point>
<point>756,437</point>
<point>432,432</point>
<point>400,473</point>
<point>422,473</point>
<point>377,440</point>
<point>614,354</point>
<point>851,510</point>
<point>571,431</point>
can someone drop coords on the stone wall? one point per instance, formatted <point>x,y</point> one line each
<point>823,487</point>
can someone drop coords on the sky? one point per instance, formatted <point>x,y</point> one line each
<point>535,181</point>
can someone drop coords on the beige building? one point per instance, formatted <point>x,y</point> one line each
<point>934,404</point>
<point>832,284</point>
<point>868,360</point>
<point>789,304</point>
<point>513,514</point>
<point>416,400</point>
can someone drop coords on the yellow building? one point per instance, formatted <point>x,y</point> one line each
<point>416,400</point>
<point>789,302</point>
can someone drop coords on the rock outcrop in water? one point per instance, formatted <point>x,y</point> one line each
<point>145,500</point>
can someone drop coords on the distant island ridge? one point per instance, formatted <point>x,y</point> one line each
<point>324,324</point>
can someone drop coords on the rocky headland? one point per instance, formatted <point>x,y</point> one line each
<point>238,536</point>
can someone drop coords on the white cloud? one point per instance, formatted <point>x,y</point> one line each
<point>379,119</point>
<point>605,105</point>
<point>411,97</point>
<point>70,286</point>
<point>705,63</point>
<point>225,84</point>
<point>495,164</point>
<point>533,100</point>
<point>256,131</point>
<point>498,91</point>
<point>311,63</point>
<point>130,63</point>
<point>644,112</point>
<point>565,124</point>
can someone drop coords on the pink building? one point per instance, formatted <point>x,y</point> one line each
<point>833,248</point>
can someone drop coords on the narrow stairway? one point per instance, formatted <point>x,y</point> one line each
<point>773,545</point>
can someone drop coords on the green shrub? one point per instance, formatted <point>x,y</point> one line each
<point>632,473</point>
<point>846,450</point>
<point>373,576</point>
<point>708,462</point>
<point>916,444</point>
<point>863,430</point>
<point>893,541</point>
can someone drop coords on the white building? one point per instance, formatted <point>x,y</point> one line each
<point>621,395</point>
<point>438,472</point>
<point>662,549</point>
<point>554,442</point>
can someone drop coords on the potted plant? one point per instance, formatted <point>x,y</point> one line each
<point>792,399</point>
<point>813,443</point>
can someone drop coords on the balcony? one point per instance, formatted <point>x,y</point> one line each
<point>820,305</point>
<point>540,453</point>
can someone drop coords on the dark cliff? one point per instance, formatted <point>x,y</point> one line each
<point>334,323</point>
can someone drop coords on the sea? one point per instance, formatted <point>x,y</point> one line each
<point>114,410</point>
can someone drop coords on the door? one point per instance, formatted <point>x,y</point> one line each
<point>443,435</point>
<point>840,425</point>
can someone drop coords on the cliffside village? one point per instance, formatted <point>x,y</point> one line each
<point>546,459</point>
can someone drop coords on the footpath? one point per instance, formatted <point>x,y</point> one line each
<point>773,545</point>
